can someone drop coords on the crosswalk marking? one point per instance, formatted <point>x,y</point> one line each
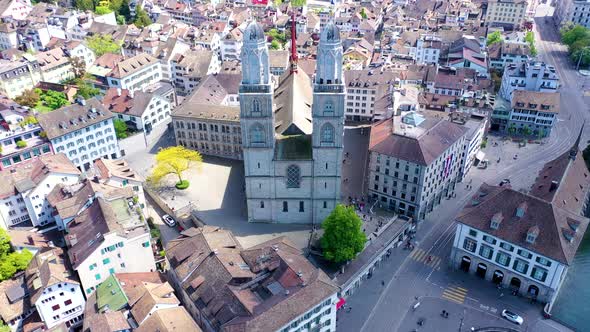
<point>455,294</point>
<point>421,256</point>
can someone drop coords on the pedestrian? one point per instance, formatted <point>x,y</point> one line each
<point>382,283</point>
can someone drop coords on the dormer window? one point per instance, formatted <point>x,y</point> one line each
<point>532,234</point>
<point>521,209</point>
<point>496,220</point>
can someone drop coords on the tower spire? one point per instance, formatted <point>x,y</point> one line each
<point>293,59</point>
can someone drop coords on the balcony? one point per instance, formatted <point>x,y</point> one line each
<point>332,88</point>
<point>255,88</point>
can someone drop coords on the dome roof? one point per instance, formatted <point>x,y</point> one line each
<point>254,32</point>
<point>330,33</point>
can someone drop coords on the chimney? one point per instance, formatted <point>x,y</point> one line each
<point>553,186</point>
<point>30,238</point>
<point>73,239</point>
<point>119,92</point>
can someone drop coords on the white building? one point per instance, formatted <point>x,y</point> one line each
<point>530,76</point>
<point>476,126</point>
<point>55,66</point>
<point>80,50</point>
<point>48,288</point>
<point>526,242</point>
<point>414,163</point>
<point>8,36</point>
<point>83,131</point>
<point>189,68</point>
<point>15,9</point>
<point>109,236</point>
<point>427,49</point>
<point>34,36</point>
<point>141,110</point>
<point>23,195</point>
<point>32,144</point>
<point>18,76</point>
<point>369,94</point>
<point>135,73</point>
<point>292,134</point>
<point>574,11</point>
<point>60,298</point>
<point>231,45</point>
<point>118,173</point>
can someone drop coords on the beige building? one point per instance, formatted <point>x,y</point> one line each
<point>209,119</point>
<point>18,76</point>
<point>505,13</point>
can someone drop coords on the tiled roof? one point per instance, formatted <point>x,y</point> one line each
<point>559,231</point>
<point>169,320</point>
<point>108,168</point>
<point>122,101</point>
<point>132,65</point>
<point>74,117</point>
<point>292,101</point>
<point>537,101</point>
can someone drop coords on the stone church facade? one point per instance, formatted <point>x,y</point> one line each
<point>292,132</point>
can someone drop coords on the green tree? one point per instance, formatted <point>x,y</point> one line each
<point>21,259</point>
<point>54,99</point>
<point>124,10</point>
<point>363,13</point>
<point>85,90</point>
<point>7,269</point>
<point>494,37</point>
<point>570,35</point>
<point>102,44</point>
<point>120,128</point>
<point>78,66</point>
<point>298,3</point>
<point>277,35</point>
<point>175,160</point>
<point>84,5</point>
<point>142,19</point>
<point>5,246</point>
<point>343,237</point>
<point>101,10</point>
<point>530,39</point>
<point>28,98</point>
<point>4,327</point>
<point>275,45</point>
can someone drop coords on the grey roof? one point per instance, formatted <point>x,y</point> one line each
<point>73,117</point>
<point>437,137</point>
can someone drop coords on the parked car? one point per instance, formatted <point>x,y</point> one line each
<point>505,181</point>
<point>168,220</point>
<point>512,317</point>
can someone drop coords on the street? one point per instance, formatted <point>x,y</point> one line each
<point>424,275</point>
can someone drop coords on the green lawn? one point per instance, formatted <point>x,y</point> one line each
<point>42,108</point>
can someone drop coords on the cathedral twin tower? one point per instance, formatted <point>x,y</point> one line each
<point>292,131</point>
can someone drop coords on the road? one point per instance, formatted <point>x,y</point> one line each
<point>386,308</point>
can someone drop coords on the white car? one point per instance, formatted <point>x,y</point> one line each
<point>168,220</point>
<point>514,318</point>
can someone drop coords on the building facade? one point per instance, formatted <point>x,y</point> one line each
<point>292,135</point>
<point>135,73</point>
<point>530,76</point>
<point>506,13</point>
<point>14,153</point>
<point>84,132</point>
<point>575,11</point>
<point>18,76</point>
<point>414,163</point>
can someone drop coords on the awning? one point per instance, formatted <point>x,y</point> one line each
<point>340,303</point>
<point>480,155</point>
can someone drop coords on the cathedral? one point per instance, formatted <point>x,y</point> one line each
<point>292,131</point>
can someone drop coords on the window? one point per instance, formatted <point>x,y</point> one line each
<point>111,270</point>
<point>262,204</point>
<point>473,233</point>
<point>328,107</point>
<point>146,244</point>
<point>257,133</point>
<point>503,258</point>
<point>539,273</point>
<point>106,261</point>
<point>469,244</point>
<point>327,133</point>
<point>543,261</point>
<point>97,276</point>
<point>506,246</point>
<point>67,302</point>
<point>293,176</point>
<point>256,106</point>
<point>489,239</point>
<point>325,205</point>
<point>301,206</point>
<point>520,266</point>
<point>55,307</point>
<point>486,252</point>
<point>524,253</point>
<point>285,206</point>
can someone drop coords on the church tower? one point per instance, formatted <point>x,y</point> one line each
<point>329,99</point>
<point>257,123</point>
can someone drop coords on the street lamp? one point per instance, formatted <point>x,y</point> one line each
<point>583,51</point>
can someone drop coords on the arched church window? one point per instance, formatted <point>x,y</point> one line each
<point>329,107</point>
<point>257,133</point>
<point>256,106</point>
<point>293,176</point>
<point>327,133</point>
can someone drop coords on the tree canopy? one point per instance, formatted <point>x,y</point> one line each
<point>494,37</point>
<point>85,90</point>
<point>102,44</point>
<point>54,99</point>
<point>298,3</point>
<point>530,39</point>
<point>343,237</point>
<point>11,261</point>
<point>28,98</point>
<point>120,128</point>
<point>174,160</point>
<point>142,19</point>
<point>577,39</point>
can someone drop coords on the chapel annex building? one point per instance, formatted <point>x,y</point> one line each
<point>292,132</point>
